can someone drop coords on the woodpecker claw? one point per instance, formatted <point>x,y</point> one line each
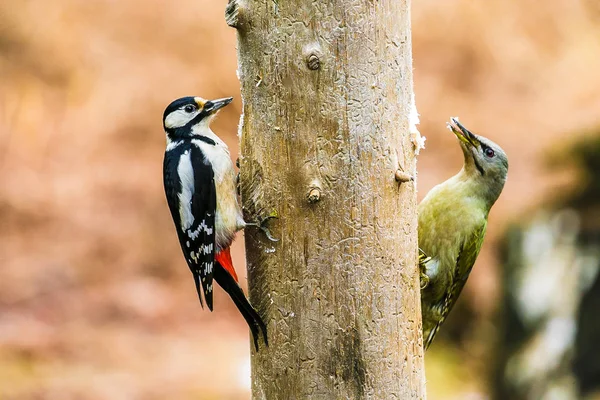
<point>424,280</point>
<point>260,224</point>
<point>423,259</point>
<point>266,230</point>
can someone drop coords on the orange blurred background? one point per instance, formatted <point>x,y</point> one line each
<point>95,299</point>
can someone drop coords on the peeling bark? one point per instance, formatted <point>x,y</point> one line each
<point>326,88</point>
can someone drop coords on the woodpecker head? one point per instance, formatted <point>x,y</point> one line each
<point>189,116</point>
<point>484,160</point>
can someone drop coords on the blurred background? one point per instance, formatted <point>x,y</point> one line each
<point>95,299</point>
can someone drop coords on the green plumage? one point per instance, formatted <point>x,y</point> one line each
<point>452,224</point>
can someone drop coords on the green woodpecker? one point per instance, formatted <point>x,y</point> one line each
<point>452,222</point>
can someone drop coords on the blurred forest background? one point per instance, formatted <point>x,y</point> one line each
<point>95,299</point>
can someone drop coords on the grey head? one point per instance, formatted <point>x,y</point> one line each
<point>485,161</point>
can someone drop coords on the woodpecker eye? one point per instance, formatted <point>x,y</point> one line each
<point>189,108</point>
<point>489,152</point>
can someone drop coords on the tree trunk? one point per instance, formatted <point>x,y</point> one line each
<point>326,87</point>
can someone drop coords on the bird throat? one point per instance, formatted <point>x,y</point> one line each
<point>478,166</point>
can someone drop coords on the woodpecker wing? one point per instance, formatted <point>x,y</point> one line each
<point>464,264</point>
<point>191,194</point>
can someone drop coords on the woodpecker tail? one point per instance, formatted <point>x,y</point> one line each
<point>229,284</point>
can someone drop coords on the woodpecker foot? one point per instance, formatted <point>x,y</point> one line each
<point>261,224</point>
<point>423,259</point>
<point>424,280</point>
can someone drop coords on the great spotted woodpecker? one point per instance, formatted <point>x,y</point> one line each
<point>200,185</point>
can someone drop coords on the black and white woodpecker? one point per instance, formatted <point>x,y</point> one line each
<point>452,224</point>
<point>200,185</point>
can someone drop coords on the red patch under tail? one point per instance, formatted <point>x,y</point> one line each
<point>224,258</point>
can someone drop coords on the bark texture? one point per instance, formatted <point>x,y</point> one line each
<point>326,88</point>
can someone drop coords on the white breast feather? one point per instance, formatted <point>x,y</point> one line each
<point>432,267</point>
<point>218,156</point>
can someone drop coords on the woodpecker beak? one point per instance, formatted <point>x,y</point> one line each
<point>462,133</point>
<point>212,106</point>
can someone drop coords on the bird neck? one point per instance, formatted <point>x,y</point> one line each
<point>486,188</point>
<point>203,130</point>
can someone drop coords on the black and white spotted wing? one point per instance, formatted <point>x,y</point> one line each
<point>190,190</point>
